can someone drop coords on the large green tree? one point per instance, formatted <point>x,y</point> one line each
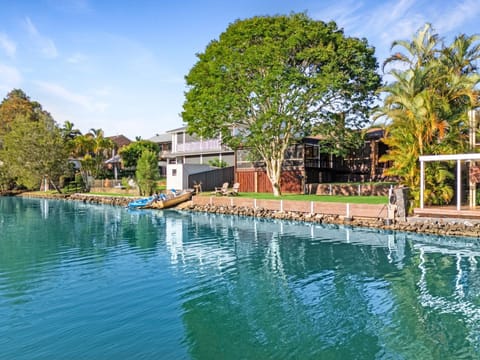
<point>426,107</point>
<point>33,151</point>
<point>132,152</point>
<point>29,149</point>
<point>268,81</point>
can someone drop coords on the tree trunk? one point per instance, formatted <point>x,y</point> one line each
<point>274,167</point>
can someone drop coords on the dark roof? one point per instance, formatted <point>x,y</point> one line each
<point>120,140</point>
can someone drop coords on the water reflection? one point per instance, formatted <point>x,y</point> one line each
<point>342,288</point>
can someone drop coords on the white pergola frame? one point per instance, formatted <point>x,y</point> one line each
<point>454,157</point>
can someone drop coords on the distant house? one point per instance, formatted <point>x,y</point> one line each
<point>119,141</point>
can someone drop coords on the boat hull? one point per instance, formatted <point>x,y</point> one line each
<point>174,201</point>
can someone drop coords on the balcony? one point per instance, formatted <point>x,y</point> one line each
<point>201,146</point>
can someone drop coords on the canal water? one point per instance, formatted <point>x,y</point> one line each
<point>81,281</point>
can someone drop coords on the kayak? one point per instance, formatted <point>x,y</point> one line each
<point>140,203</point>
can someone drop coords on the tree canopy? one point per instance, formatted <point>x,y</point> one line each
<point>31,145</point>
<point>33,150</point>
<point>268,81</point>
<point>18,104</point>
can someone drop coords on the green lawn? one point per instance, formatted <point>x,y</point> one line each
<point>110,194</point>
<point>323,198</point>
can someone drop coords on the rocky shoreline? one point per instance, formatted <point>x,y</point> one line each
<point>435,226</point>
<point>86,198</point>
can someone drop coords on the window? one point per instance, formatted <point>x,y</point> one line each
<point>174,172</point>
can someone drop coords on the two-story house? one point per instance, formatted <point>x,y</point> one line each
<point>189,155</point>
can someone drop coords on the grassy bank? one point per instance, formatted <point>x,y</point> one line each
<point>321,198</point>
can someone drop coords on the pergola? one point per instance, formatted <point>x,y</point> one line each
<point>456,157</point>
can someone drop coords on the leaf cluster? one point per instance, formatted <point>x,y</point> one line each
<point>132,152</point>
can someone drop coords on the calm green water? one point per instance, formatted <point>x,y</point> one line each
<point>96,282</point>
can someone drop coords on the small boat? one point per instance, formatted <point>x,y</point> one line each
<point>140,203</point>
<point>170,201</point>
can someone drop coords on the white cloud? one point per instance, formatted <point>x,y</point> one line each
<point>347,14</point>
<point>46,45</point>
<point>84,101</point>
<point>7,45</point>
<point>10,78</point>
<point>77,58</point>
<point>461,13</point>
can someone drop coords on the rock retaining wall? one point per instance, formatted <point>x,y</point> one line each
<point>446,227</point>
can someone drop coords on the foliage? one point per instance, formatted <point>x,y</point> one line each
<point>30,143</point>
<point>18,104</point>
<point>268,81</point>
<point>426,106</point>
<point>33,150</point>
<point>132,152</point>
<point>92,149</point>
<point>147,172</point>
<point>218,163</point>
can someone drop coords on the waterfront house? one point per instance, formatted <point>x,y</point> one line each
<point>309,162</point>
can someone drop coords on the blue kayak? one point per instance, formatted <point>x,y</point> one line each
<point>140,202</point>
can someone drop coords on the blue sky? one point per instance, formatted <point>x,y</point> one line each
<point>120,65</point>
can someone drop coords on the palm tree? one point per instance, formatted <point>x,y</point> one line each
<point>427,105</point>
<point>69,132</point>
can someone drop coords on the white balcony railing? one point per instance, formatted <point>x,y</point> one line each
<point>199,146</point>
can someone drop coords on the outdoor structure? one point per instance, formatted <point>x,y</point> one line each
<point>177,174</point>
<point>458,158</point>
<point>465,163</point>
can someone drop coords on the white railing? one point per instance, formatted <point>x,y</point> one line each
<point>198,146</point>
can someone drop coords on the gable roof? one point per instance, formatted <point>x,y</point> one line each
<point>120,140</point>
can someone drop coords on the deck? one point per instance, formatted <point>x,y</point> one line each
<point>465,212</point>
